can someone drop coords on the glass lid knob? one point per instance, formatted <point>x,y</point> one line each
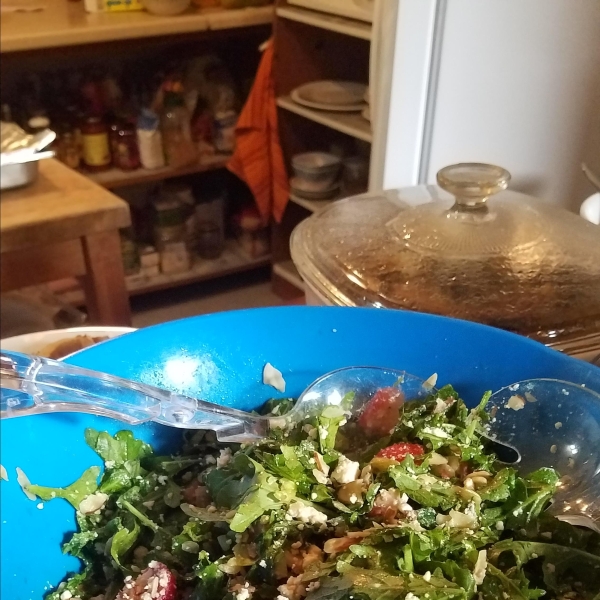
<point>472,184</point>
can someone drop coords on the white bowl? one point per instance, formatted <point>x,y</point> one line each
<point>319,168</point>
<point>31,343</point>
<point>166,8</point>
<point>590,209</point>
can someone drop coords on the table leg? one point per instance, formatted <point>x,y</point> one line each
<point>107,299</point>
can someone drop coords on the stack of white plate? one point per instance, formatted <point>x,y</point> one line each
<point>339,96</point>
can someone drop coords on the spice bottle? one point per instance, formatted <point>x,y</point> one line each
<point>150,143</point>
<point>96,149</point>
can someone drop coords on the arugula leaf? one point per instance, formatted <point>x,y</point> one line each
<point>256,504</point>
<point>78,585</point>
<point>277,406</point>
<point>500,487</point>
<point>78,542</point>
<point>329,421</point>
<point>559,562</point>
<point>531,497</point>
<point>436,495</point>
<point>76,492</point>
<point>509,586</point>
<point>227,486</point>
<point>379,585</point>
<point>211,580</point>
<point>118,448</point>
<point>122,541</point>
<point>168,465</point>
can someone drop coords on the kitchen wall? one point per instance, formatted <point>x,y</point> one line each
<point>515,83</point>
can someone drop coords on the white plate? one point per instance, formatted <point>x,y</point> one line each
<point>30,343</point>
<point>344,96</point>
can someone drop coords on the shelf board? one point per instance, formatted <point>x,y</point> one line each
<point>287,270</point>
<point>352,124</point>
<point>312,205</point>
<point>115,178</point>
<point>233,260</point>
<point>62,24</point>
<point>351,27</point>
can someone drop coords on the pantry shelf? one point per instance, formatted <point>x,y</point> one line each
<point>312,205</point>
<point>233,260</point>
<point>343,25</point>
<point>287,270</point>
<point>115,178</point>
<point>59,23</point>
<point>352,124</point>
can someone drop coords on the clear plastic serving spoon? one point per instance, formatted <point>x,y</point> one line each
<point>545,422</point>
<point>34,385</point>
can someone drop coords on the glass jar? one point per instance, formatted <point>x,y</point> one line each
<point>68,149</point>
<point>179,147</point>
<point>126,155</point>
<point>170,236</point>
<point>96,149</point>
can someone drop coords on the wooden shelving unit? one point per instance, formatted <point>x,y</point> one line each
<point>350,123</point>
<point>233,260</point>
<point>61,34</point>
<point>312,45</point>
<point>61,24</point>
<point>351,27</point>
<point>115,178</point>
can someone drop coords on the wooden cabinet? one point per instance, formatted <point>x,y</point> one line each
<point>312,46</point>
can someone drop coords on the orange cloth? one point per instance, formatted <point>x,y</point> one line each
<point>258,158</point>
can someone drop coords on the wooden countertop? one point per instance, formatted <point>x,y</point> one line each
<point>64,23</point>
<point>61,205</point>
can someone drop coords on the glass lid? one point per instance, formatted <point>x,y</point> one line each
<point>467,248</point>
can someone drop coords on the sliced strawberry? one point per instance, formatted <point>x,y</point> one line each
<point>382,412</point>
<point>401,450</point>
<point>155,583</point>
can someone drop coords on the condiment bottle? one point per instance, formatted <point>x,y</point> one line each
<point>175,126</point>
<point>126,155</point>
<point>150,143</point>
<point>68,149</point>
<point>96,149</point>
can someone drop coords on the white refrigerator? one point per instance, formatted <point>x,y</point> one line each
<point>510,82</point>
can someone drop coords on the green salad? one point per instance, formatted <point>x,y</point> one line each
<point>402,502</point>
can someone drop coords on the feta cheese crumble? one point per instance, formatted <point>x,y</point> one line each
<point>515,403</point>
<point>306,514</point>
<point>93,503</point>
<point>346,471</point>
<point>224,458</point>
<point>273,377</point>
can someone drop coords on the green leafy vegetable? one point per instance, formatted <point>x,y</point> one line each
<point>76,492</point>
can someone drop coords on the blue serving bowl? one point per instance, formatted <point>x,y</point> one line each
<point>220,358</point>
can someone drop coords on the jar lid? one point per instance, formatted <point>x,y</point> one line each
<point>466,248</point>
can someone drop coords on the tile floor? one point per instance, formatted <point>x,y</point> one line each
<point>246,290</point>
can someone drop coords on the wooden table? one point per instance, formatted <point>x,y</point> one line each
<point>64,225</point>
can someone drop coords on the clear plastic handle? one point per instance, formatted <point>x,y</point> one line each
<point>33,385</point>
